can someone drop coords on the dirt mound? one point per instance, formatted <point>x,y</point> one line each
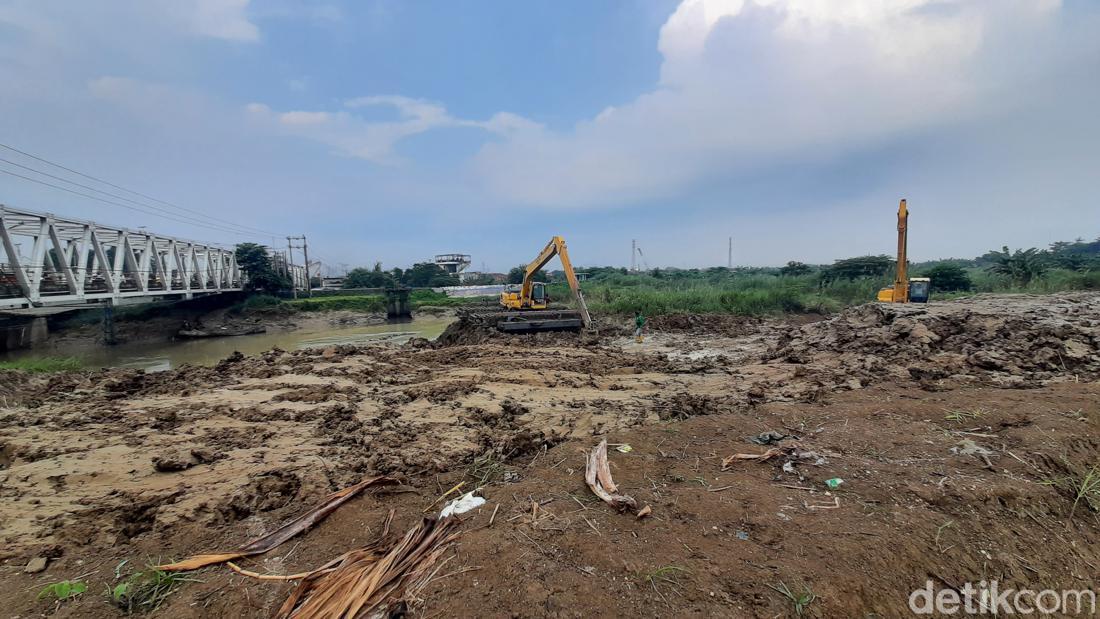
<point>1011,339</point>
<point>713,324</point>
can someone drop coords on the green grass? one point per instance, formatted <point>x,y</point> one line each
<point>358,303</point>
<point>43,364</point>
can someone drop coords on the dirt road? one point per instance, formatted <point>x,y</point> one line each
<point>960,430</point>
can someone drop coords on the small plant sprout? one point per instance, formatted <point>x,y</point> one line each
<point>799,601</point>
<point>64,590</point>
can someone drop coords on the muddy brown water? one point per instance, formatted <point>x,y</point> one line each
<point>161,355</point>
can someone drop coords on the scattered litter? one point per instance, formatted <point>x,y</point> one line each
<point>743,536</point>
<point>374,580</point>
<point>624,448</point>
<point>444,495</point>
<point>834,483</point>
<point>768,438</point>
<point>767,455</point>
<point>788,467</point>
<point>462,505</point>
<point>968,447</point>
<point>835,504</point>
<point>287,531</point>
<point>597,474</point>
<point>510,476</point>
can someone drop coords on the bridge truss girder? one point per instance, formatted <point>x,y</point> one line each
<point>73,262</point>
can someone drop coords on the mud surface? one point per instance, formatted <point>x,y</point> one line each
<point>977,413</point>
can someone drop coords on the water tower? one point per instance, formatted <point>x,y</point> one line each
<point>453,263</point>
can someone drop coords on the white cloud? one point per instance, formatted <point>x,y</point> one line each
<point>375,141</point>
<point>748,83</point>
<point>221,19</point>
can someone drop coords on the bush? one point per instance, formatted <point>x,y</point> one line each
<point>948,278</point>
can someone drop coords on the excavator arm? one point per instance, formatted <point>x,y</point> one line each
<point>556,247</point>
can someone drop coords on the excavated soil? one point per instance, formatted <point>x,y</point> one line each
<point>959,429</point>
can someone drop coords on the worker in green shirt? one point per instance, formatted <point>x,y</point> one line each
<point>639,322</point>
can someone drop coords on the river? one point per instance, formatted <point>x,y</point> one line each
<point>160,356</point>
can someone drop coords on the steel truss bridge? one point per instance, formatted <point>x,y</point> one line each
<point>53,262</point>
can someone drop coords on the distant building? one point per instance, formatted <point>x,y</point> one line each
<point>332,283</point>
<point>453,263</point>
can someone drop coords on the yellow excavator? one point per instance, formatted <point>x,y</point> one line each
<point>905,289</point>
<point>528,304</point>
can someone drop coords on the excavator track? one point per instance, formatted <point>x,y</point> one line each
<point>528,322</point>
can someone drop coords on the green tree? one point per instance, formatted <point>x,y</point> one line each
<point>860,266</point>
<point>1022,265</point>
<point>364,278</point>
<point>515,275</point>
<point>794,268</point>
<point>254,261</point>
<point>428,274</point>
<point>948,278</point>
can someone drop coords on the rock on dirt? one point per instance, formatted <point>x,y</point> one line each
<point>36,565</point>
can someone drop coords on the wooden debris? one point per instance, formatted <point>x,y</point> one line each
<point>271,540</point>
<point>597,474</point>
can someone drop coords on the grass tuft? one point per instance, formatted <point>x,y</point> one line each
<point>43,364</point>
<point>146,591</point>
<point>800,601</point>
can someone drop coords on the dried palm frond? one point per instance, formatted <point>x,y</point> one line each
<point>374,579</point>
<point>287,531</point>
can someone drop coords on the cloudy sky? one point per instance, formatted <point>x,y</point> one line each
<point>397,129</point>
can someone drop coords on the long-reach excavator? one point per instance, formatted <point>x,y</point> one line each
<point>905,289</point>
<point>528,304</point>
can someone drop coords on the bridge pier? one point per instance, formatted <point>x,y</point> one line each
<point>23,333</point>
<point>110,337</point>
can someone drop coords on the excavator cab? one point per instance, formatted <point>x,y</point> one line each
<point>538,294</point>
<point>919,289</point>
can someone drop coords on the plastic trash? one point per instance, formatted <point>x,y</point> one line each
<point>462,505</point>
<point>788,467</point>
<point>624,448</point>
<point>834,483</point>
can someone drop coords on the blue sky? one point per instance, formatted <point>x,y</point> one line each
<point>393,130</point>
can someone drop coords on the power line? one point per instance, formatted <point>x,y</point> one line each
<point>107,193</point>
<point>136,193</point>
<point>34,180</point>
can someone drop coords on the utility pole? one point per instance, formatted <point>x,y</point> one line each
<point>305,256</point>
<point>633,255</point>
<point>289,271</point>
<point>730,261</point>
